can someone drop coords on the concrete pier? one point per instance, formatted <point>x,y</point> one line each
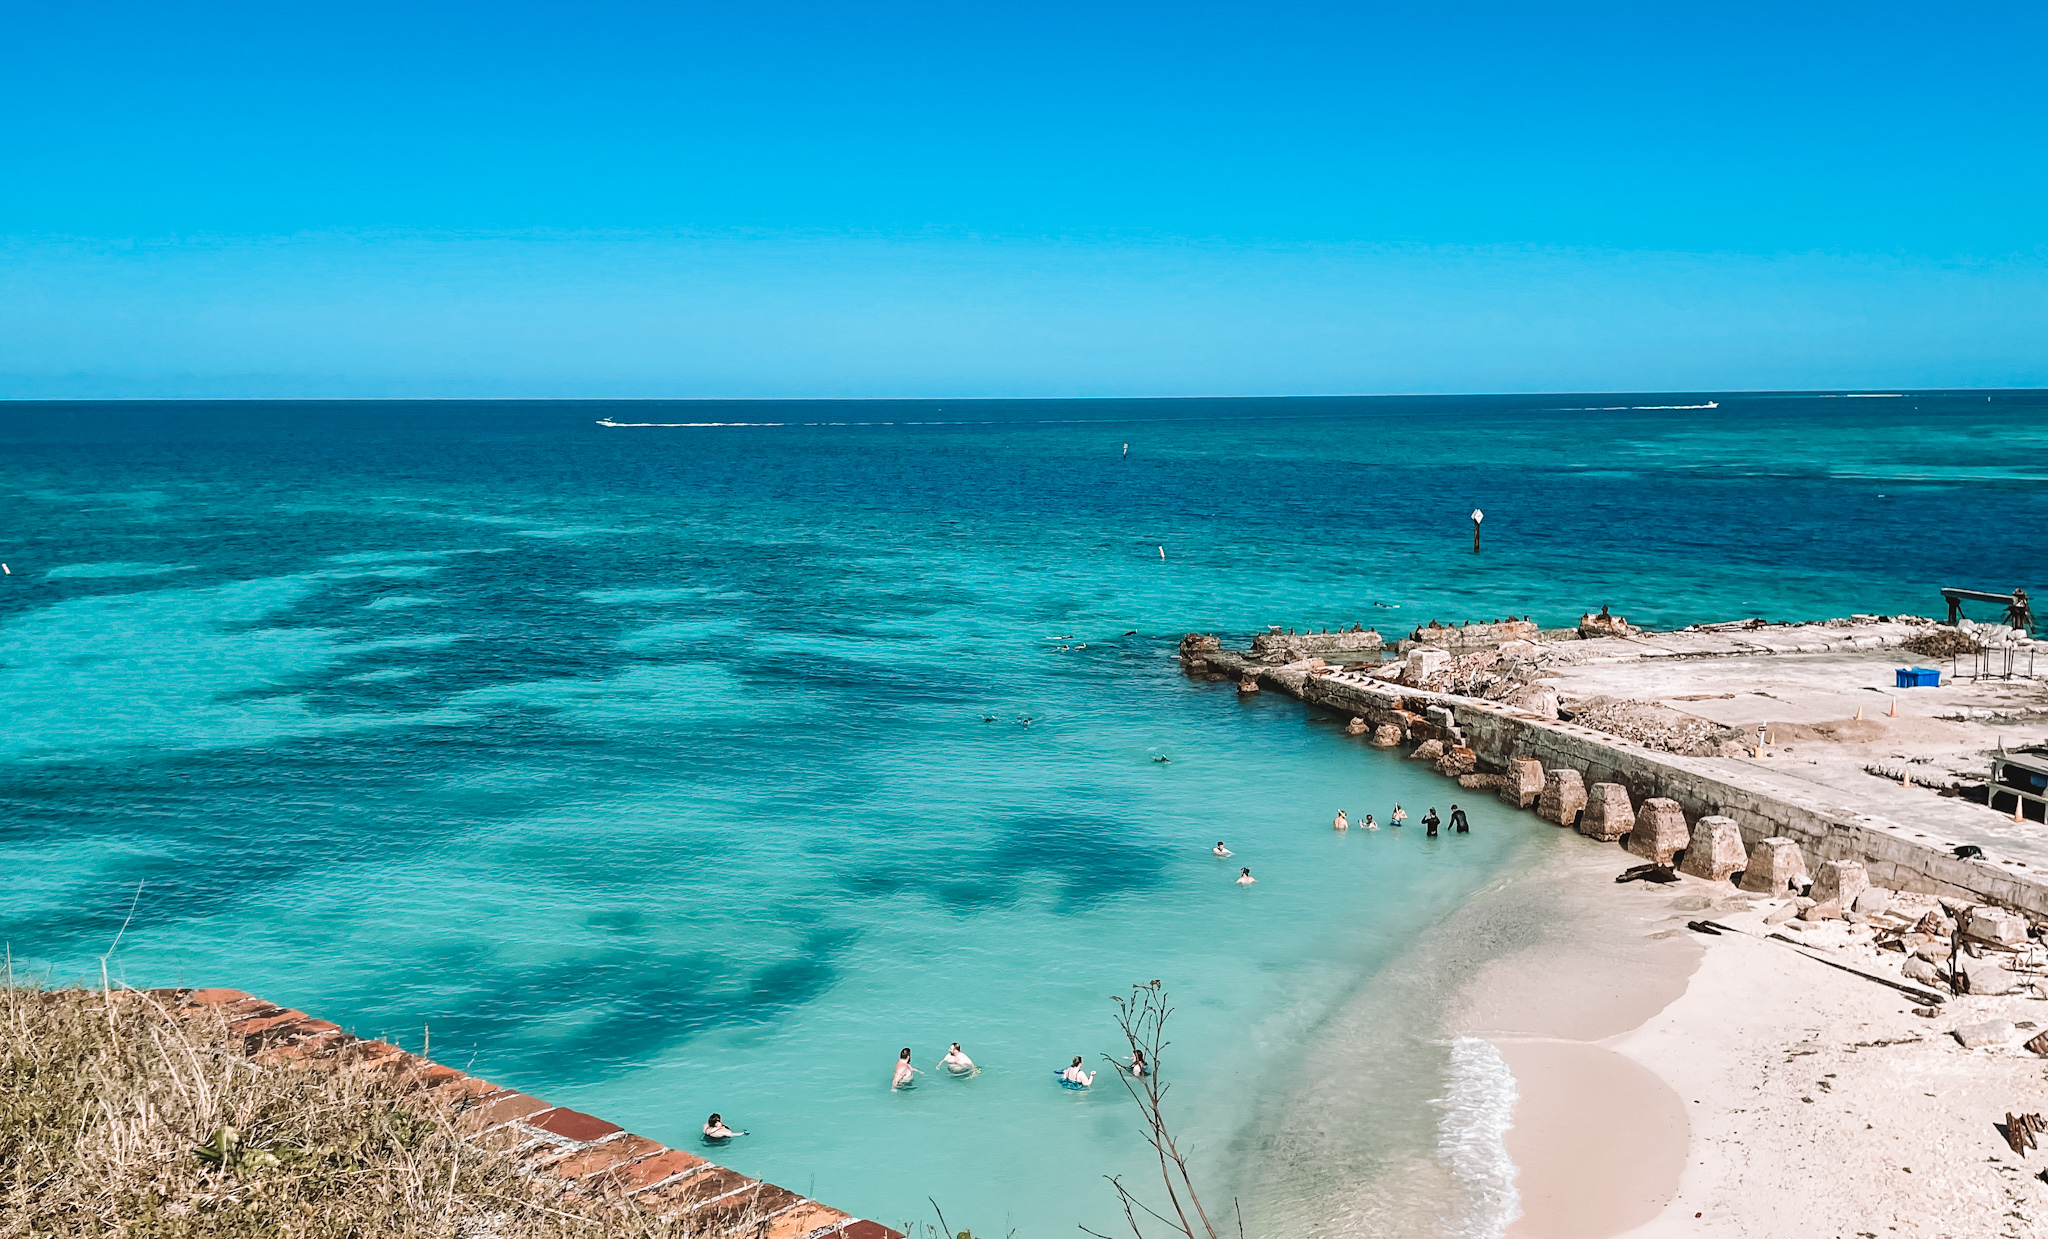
<point>1894,833</point>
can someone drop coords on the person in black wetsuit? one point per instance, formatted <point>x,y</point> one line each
<point>1432,821</point>
<point>1459,822</point>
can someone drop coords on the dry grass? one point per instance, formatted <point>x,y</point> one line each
<point>118,1119</point>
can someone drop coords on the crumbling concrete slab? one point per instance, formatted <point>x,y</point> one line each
<point>1660,831</point>
<point>1523,782</point>
<point>1608,815</point>
<point>1563,798</point>
<point>1714,851</point>
<point>1775,866</point>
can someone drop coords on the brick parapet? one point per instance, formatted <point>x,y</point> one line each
<point>590,1158</point>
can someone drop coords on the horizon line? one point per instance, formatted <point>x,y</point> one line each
<point>1640,391</point>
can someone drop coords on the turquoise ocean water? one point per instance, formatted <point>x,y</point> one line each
<point>665,769</point>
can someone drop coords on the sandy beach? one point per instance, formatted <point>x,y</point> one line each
<point>1672,1082</point>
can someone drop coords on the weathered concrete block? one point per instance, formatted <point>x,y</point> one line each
<point>1481,782</point>
<point>1608,814</point>
<point>1714,851</point>
<point>1775,866</point>
<point>1423,663</point>
<point>1660,831</point>
<point>1988,1033</point>
<point>1356,727</point>
<point>1840,881</point>
<point>1987,976</point>
<point>1457,762</point>
<point>1386,736</point>
<point>1995,925</point>
<point>1523,782</point>
<point>1874,902</point>
<point>1428,750</point>
<point>1563,798</point>
<point>1920,970</point>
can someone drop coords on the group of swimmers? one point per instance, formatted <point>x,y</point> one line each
<point>957,1064</point>
<point>1460,824</point>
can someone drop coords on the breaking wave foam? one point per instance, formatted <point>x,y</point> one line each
<point>1478,1108</point>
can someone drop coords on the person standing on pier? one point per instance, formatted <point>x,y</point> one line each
<point>1431,820</point>
<point>1459,822</point>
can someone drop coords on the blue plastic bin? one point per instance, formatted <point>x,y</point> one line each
<point>1919,677</point>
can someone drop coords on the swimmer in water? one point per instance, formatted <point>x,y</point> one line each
<point>957,1062</point>
<point>1077,1077</point>
<point>904,1071</point>
<point>1370,824</point>
<point>1459,822</point>
<point>1398,816</point>
<point>1219,851</point>
<point>717,1132</point>
<point>1431,820</point>
<point>1245,878</point>
<point>1340,822</point>
<point>1139,1067</point>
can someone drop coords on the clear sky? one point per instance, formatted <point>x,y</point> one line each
<point>774,199</point>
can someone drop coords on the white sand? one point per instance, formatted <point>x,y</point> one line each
<point>1665,1074</point>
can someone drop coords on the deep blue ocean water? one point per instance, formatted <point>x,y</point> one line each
<point>652,767</point>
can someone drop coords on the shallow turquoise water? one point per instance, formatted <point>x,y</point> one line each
<point>649,766</point>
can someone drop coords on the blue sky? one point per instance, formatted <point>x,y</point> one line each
<point>885,200</point>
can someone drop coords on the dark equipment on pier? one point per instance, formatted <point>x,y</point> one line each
<point>2019,612</point>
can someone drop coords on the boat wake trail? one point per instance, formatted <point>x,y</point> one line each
<point>606,421</point>
<point>1478,1108</point>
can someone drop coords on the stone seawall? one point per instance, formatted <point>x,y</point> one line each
<point>590,1160</point>
<point>1896,856</point>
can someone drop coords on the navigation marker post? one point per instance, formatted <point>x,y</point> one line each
<point>1477,516</point>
